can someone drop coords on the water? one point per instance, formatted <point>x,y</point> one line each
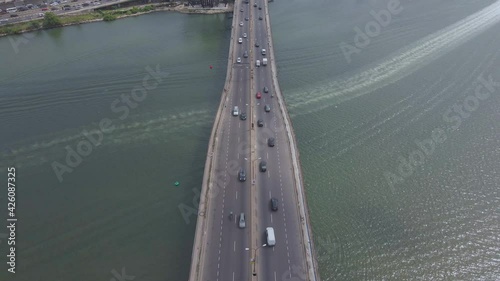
<point>355,121</point>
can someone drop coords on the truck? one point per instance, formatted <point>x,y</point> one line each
<point>264,61</point>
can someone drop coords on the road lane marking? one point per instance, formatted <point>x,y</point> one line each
<point>271,218</point>
<point>236,195</point>
<point>233,275</point>
<point>234,249</point>
<point>275,276</point>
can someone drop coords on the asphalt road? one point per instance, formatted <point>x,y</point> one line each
<point>286,260</point>
<point>226,256</point>
<point>33,13</point>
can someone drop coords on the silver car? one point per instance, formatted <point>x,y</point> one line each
<point>242,223</point>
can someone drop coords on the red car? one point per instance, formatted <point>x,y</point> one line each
<point>44,9</point>
<point>258,95</point>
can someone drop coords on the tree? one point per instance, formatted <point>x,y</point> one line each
<point>51,20</point>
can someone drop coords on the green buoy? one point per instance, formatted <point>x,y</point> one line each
<point>177,183</point>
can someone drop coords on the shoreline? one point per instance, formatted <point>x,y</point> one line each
<point>157,8</point>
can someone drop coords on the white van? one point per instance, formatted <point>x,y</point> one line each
<point>257,63</point>
<point>11,10</point>
<point>271,240</point>
<point>236,111</point>
<point>263,52</point>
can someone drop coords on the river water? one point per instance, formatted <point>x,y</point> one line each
<point>400,156</point>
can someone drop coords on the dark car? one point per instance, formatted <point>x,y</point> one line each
<point>245,54</point>
<point>240,10</point>
<point>270,142</point>
<point>242,176</point>
<point>246,19</point>
<point>255,4</point>
<point>54,9</point>
<point>14,15</point>
<point>258,95</point>
<point>243,116</point>
<point>266,90</point>
<point>274,204</point>
<point>257,44</point>
<point>260,17</point>
<point>260,123</point>
<point>260,8</point>
<point>267,108</point>
<point>263,166</point>
<point>22,8</point>
<point>85,4</point>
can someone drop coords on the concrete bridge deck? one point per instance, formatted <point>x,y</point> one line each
<point>222,250</point>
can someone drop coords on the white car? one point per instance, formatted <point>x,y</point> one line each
<point>41,15</point>
<point>244,35</point>
<point>240,40</point>
<point>238,60</point>
<point>241,23</point>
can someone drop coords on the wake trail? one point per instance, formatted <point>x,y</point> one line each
<point>403,63</point>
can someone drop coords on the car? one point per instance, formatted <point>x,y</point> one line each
<point>267,108</point>
<point>255,4</point>
<point>44,9</point>
<point>78,7</point>
<point>41,15</point>
<point>22,8</point>
<point>240,10</point>
<point>238,60</point>
<point>274,204</point>
<point>4,20</point>
<point>263,166</point>
<point>14,15</point>
<point>270,142</point>
<point>257,44</point>
<point>241,23</point>
<point>74,0</point>
<point>266,90</point>
<point>244,35</point>
<point>260,8</point>
<point>85,4</point>
<point>242,176</point>
<point>243,116</point>
<point>236,111</point>
<point>54,9</point>
<point>260,17</point>
<point>245,54</point>
<point>240,40</point>
<point>271,239</point>
<point>246,19</point>
<point>260,123</point>
<point>258,95</point>
<point>242,223</point>
<point>67,8</point>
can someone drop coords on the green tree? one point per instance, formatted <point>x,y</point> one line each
<point>109,17</point>
<point>51,20</point>
<point>34,25</point>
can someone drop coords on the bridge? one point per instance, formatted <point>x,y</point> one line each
<point>223,249</point>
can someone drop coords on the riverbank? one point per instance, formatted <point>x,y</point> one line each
<point>109,15</point>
